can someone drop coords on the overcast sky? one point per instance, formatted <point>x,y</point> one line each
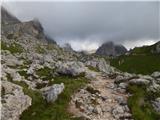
<point>86,25</point>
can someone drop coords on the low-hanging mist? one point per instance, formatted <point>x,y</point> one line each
<point>86,25</point>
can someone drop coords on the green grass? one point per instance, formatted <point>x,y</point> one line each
<point>140,105</point>
<point>23,73</point>
<point>41,110</point>
<point>140,64</point>
<point>13,48</point>
<point>45,73</point>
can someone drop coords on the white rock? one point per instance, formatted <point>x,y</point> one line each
<point>71,68</point>
<point>156,74</point>
<point>51,93</point>
<point>14,101</point>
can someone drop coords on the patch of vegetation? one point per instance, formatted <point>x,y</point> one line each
<point>140,105</point>
<point>140,64</point>
<point>41,85</point>
<point>9,78</point>
<point>2,91</point>
<point>41,110</point>
<point>23,73</point>
<point>13,48</point>
<point>142,50</point>
<point>93,68</point>
<point>45,73</point>
<point>39,49</point>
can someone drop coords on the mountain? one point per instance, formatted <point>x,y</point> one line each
<point>110,49</point>
<point>152,49</point>
<point>42,81</point>
<point>140,60</point>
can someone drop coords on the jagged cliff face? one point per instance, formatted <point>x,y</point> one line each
<point>110,49</point>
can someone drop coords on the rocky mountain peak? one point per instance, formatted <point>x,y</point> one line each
<point>111,49</point>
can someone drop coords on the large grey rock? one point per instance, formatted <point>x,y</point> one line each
<point>14,101</point>
<point>71,68</point>
<point>105,67</point>
<point>101,64</point>
<point>51,93</point>
<point>156,74</point>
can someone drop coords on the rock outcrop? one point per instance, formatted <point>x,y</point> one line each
<point>71,68</point>
<point>51,93</point>
<point>14,101</point>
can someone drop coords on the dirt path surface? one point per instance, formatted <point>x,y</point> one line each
<point>100,100</point>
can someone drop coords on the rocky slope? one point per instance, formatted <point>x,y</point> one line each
<point>37,75</point>
<point>110,49</point>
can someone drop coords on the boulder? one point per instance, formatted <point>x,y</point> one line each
<point>70,68</point>
<point>51,93</point>
<point>14,101</point>
<point>103,67</point>
<point>156,74</point>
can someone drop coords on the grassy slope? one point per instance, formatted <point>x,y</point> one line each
<point>40,110</point>
<point>141,64</point>
<point>140,105</point>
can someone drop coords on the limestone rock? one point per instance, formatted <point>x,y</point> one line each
<point>14,102</point>
<point>156,74</point>
<point>71,68</point>
<point>51,93</point>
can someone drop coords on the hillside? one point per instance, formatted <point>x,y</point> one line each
<point>141,60</point>
<point>42,81</point>
<point>146,50</point>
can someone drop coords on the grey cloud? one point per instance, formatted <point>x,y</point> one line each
<point>95,22</point>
